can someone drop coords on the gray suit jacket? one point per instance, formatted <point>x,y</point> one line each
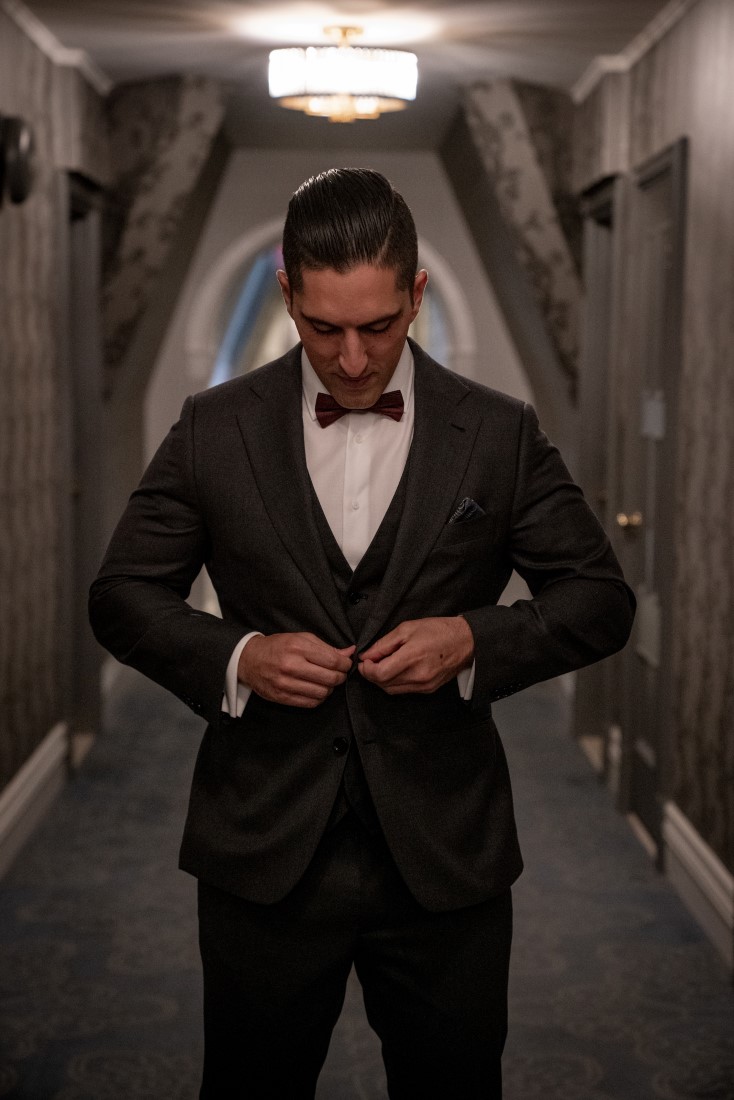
<point>229,488</point>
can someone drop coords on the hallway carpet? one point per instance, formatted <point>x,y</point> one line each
<point>615,993</point>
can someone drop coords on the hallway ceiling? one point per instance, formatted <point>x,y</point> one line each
<point>541,41</point>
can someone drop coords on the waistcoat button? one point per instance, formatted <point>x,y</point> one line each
<point>340,746</point>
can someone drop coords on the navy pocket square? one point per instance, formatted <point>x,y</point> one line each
<point>467,510</point>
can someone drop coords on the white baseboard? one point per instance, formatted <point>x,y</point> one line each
<point>614,759</point>
<point>111,670</point>
<point>29,794</point>
<point>592,747</point>
<point>567,681</point>
<point>645,838</point>
<point>701,879</point>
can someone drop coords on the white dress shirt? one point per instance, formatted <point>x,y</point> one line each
<point>355,466</point>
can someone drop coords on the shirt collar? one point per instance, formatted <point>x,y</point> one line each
<point>402,380</point>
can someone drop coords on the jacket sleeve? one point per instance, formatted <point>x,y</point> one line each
<point>137,604</point>
<point>581,609</point>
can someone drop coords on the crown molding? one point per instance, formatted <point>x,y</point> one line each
<point>622,62</point>
<point>600,67</point>
<point>48,43</point>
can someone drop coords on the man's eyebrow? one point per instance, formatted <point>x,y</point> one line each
<point>366,324</point>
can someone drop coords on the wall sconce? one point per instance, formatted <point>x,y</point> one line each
<point>17,159</point>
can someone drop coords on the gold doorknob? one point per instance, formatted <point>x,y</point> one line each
<point>629,522</point>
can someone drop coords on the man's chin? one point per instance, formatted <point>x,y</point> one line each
<point>355,401</point>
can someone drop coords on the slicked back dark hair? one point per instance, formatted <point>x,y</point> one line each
<point>346,217</point>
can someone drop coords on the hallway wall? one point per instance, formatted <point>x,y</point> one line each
<point>169,155</point>
<point>35,487</point>
<point>684,85</point>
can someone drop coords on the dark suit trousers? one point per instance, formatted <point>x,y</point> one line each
<point>434,984</point>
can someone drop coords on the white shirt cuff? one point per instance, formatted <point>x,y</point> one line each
<point>236,694</point>
<point>465,680</point>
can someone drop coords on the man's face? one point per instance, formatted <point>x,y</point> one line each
<point>353,325</point>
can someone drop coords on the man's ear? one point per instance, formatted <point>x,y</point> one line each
<point>419,286</point>
<point>285,290</point>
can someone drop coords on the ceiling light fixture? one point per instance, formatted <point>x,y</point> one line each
<point>343,82</point>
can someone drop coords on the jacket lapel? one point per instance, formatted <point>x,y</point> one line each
<point>446,424</point>
<point>271,424</point>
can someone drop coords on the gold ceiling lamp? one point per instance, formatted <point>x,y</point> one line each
<point>343,82</point>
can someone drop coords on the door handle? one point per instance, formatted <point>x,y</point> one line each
<point>629,521</point>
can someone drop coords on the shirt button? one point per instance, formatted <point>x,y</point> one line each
<point>355,505</point>
<point>358,438</point>
<point>340,745</point>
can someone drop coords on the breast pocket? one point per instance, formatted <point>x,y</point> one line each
<point>484,531</point>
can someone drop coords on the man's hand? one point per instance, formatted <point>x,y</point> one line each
<point>296,669</point>
<point>420,655</point>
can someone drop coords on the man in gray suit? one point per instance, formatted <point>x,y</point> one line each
<point>359,509</point>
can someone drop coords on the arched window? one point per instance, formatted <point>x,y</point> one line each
<point>259,329</point>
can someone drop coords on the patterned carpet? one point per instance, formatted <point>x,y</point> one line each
<point>615,993</point>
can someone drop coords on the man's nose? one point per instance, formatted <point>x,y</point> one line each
<point>352,354</point>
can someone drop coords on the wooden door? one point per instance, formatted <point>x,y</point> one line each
<point>645,419</point>
<point>594,713</point>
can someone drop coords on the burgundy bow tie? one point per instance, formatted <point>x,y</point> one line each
<point>328,408</point>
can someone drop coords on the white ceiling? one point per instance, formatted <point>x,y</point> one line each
<point>542,41</point>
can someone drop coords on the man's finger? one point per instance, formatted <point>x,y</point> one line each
<point>321,654</point>
<point>372,672</point>
<point>384,647</point>
<point>385,674</point>
<point>393,682</point>
<point>304,689</point>
<point>310,661</point>
<point>388,669</point>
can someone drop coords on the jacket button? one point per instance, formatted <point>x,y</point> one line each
<point>356,597</point>
<point>340,745</point>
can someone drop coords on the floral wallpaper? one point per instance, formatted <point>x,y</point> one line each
<point>161,132</point>
<point>549,116</point>
<point>527,176</point>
